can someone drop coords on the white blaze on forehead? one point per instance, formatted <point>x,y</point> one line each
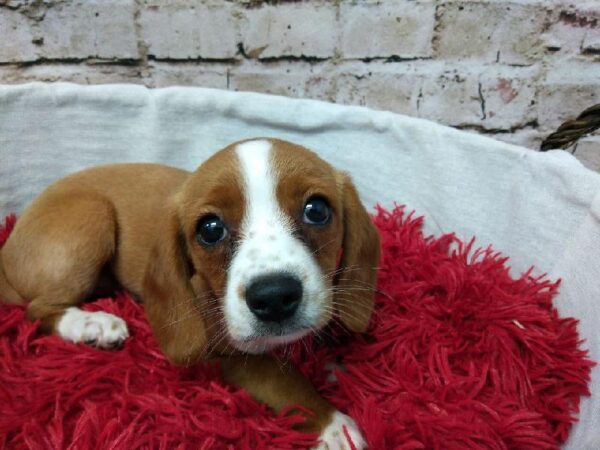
<point>267,245</point>
<point>260,184</point>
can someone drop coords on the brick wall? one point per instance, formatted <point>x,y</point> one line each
<point>510,69</point>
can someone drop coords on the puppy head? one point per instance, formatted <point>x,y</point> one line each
<point>280,240</point>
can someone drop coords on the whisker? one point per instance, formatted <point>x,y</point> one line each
<point>217,339</point>
<point>324,245</point>
<point>339,270</point>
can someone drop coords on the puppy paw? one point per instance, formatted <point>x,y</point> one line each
<point>98,328</point>
<point>333,436</point>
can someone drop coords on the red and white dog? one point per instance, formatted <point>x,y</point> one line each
<point>262,245</point>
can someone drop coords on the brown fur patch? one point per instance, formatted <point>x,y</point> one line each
<point>286,387</point>
<point>301,175</point>
<point>357,275</point>
<point>215,188</point>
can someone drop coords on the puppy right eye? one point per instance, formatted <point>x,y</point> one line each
<point>210,230</point>
<point>317,211</point>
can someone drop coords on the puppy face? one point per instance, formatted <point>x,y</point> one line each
<point>266,223</point>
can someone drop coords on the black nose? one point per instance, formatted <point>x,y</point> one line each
<point>274,297</point>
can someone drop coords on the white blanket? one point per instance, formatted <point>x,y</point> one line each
<point>539,209</point>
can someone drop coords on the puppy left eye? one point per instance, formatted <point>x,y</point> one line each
<point>317,211</point>
<point>210,230</point>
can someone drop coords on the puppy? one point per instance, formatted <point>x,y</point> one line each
<point>262,245</point>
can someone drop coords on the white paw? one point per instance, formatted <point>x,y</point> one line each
<point>334,438</point>
<point>98,329</point>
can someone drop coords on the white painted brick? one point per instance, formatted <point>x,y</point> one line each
<point>506,32</point>
<point>292,79</point>
<point>290,29</point>
<point>452,98</point>
<point>558,103</point>
<point>98,29</point>
<point>459,95</point>
<point>591,42</point>
<point>588,152</point>
<point>209,75</point>
<point>382,90</point>
<point>269,83</point>
<point>392,28</point>
<point>181,30</point>
<point>75,73</point>
<point>509,96</point>
<point>570,86</point>
<point>572,30</point>
<point>16,44</point>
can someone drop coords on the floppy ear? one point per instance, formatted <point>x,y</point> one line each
<point>355,284</point>
<point>173,307</point>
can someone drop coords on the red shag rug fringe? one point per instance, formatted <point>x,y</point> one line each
<point>459,356</point>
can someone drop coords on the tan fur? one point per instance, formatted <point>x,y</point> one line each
<point>304,174</point>
<point>357,276</point>
<point>285,387</point>
<point>138,222</point>
<point>7,293</point>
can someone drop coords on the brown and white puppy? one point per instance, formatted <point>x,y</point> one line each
<point>262,245</point>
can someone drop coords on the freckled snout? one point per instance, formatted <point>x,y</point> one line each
<point>274,297</point>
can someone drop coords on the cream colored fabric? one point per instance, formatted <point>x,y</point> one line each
<point>540,209</point>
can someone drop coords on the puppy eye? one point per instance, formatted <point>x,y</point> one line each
<point>317,211</point>
<point>210,230</point>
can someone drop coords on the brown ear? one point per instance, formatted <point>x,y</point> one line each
<point>173,307</point>
<point>355,284</point>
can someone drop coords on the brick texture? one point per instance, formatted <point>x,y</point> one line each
<point>513,70</point>
<point>21,45</point>
<point>488,32</point>
<point>174,30</point>
<point>305,29</point>
<point>88,30</point>
<point>388,29</point>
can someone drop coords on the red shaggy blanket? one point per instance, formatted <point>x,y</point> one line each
<point>459,356</point>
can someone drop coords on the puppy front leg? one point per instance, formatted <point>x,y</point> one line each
<point>279,386</point>
<point>95,328</point>
<point>54,257</point>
